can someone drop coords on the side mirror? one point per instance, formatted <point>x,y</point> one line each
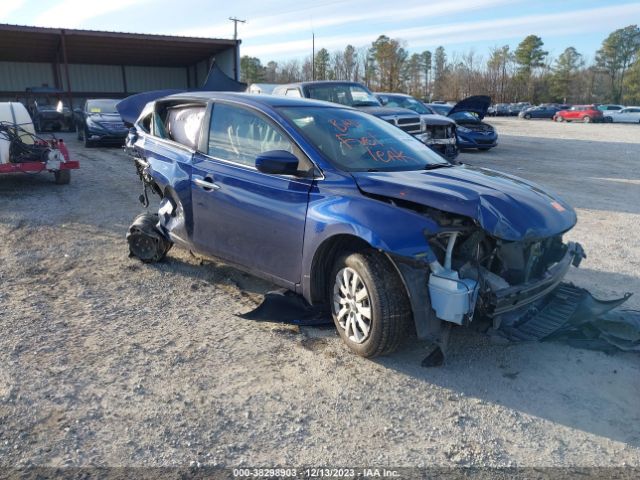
<point>277,162</point>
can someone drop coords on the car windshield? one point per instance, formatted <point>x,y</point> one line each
<point>344,94</point>
<point>357,142</point>
<point>102,106</point>
<point>464,116</point>
<point>410,103</point>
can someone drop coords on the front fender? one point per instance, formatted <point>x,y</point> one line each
<point>397,231</point>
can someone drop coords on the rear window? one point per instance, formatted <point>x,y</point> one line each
<point>179,122</point>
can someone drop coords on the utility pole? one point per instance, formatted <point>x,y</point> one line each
<point>235,21</point>
<point>313,56</point>
<point>235,26</point>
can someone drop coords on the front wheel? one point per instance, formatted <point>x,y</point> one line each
<point>559,119</point>
<point>369,304</point>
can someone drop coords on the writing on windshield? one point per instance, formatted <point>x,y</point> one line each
<point>356,141</point>
<point>374,147</point>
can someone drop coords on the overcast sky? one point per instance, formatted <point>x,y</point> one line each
<point>281,29</point>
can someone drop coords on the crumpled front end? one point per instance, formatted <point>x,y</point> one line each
<point>476,274</point>
<point>440,136</point>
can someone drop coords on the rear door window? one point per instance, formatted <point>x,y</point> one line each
<point>239,135</point>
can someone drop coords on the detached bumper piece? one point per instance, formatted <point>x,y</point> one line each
<point>513,298</point>
<point>570,313</point>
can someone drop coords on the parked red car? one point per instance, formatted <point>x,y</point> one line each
<point>581,113</point>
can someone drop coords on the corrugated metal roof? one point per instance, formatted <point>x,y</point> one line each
<point>38,44</point>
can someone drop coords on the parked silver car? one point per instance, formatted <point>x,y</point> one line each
<point>625,115</point>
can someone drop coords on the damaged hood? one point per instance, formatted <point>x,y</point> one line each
<point>478,104</point>
<point>505,206</point>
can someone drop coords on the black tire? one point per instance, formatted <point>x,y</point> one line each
<point>387,300</point>
<point>62,177</point>
<point>586,119</point>
<point>146,242</point>
<point>608,120</point>
<point>559,119</point>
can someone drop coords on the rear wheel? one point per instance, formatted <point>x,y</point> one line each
<point>527,117</point>
<point>586,119</point>
<point>146,242</point>
<point>369,304</point>
<point>62,177</point>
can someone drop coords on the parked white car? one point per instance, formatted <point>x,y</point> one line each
<point>626,115</point>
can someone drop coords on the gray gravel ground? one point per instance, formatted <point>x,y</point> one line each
<point>106,361</point>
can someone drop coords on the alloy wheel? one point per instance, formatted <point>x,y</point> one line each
<point>351,305</point>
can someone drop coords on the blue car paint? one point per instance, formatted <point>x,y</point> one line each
<point>262,217</point>
<point>275,225</point>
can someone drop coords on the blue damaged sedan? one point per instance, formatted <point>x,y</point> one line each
<point>346,210</point>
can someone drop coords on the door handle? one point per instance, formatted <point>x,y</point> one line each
<point>207,183</point>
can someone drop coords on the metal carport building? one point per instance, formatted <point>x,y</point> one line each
<point>90,64</point>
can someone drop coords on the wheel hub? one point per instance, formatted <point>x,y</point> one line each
<point>351,305</point>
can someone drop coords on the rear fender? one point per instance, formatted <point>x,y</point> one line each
<point>172,178</point>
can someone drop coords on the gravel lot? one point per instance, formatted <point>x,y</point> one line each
<point>106,361</point>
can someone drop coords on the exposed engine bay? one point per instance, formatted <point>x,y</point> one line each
<point>499,275</point>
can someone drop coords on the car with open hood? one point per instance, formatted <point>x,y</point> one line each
<point>356,95</point>
<point>440,129</point>
<point>472,132</point>
<point>346,210</point>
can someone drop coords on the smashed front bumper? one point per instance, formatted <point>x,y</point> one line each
<point>446,147</point>
<point>516,296</point>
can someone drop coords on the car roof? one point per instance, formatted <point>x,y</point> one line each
<point>253,99</point>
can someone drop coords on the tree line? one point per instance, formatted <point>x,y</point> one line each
<point>527,73</point>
